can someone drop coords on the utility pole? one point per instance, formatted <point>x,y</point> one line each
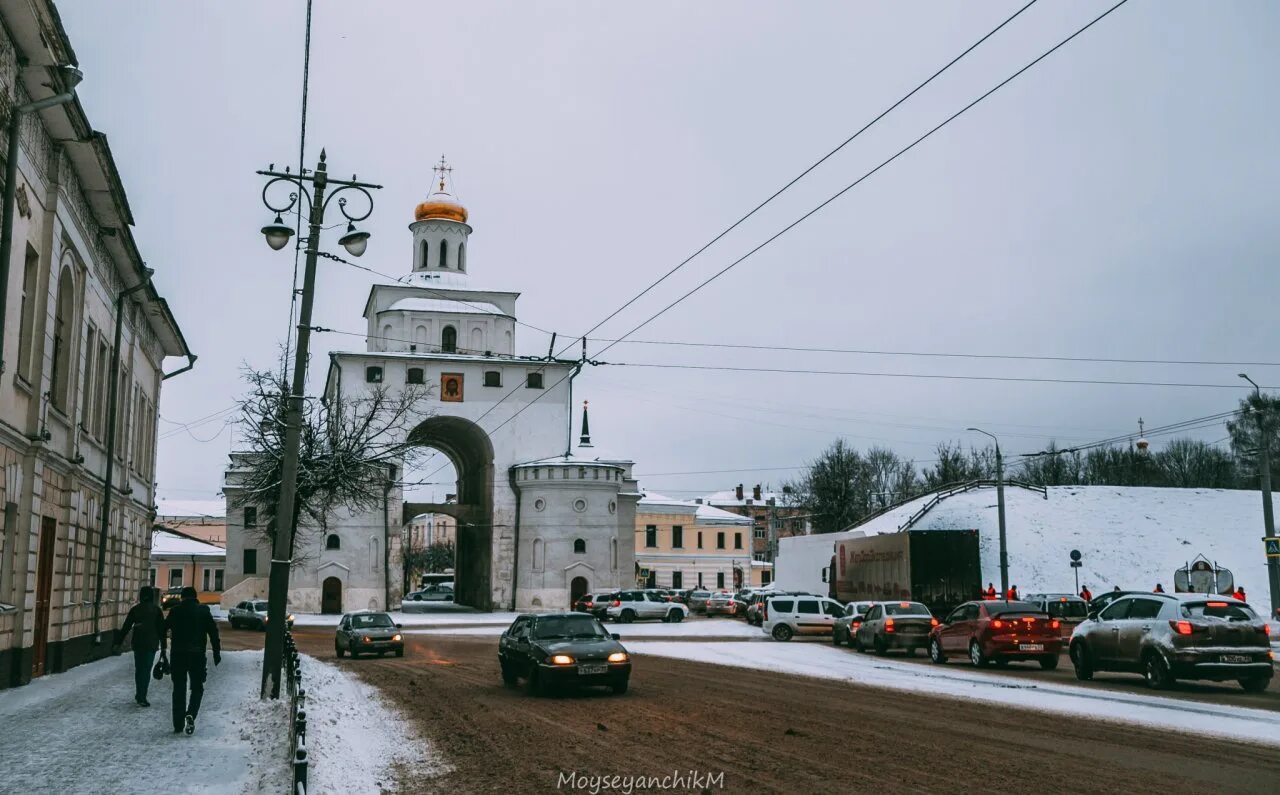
<point>1004,548</point>
<point>277,235</point>
<point>1264,475</point>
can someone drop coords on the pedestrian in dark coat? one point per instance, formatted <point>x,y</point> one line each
<point>190,624</point>
<point>146,620</point>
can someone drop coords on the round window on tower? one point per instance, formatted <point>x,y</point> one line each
<point>613,506</point>
<point>579,505</point>
<point>539,504</point>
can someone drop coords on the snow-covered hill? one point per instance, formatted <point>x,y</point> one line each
<point>1130,537</point>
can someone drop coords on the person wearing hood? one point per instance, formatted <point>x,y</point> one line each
<point>146,620</point>
<point>190,624</point>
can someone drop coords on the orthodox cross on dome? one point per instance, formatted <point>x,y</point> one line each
<point>585,439</point>
<point>442,169</point>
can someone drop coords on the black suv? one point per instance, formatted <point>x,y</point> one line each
<point>552,650</point>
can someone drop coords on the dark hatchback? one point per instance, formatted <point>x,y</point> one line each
<point>555,650</point>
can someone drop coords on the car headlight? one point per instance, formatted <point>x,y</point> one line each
<point>618,656</point>
<point>561,659</point>
<point>366,639</point>
<point>289,618</point>
<point>396,637</point>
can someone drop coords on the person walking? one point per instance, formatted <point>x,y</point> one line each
<point>146,620</point>
<point>1239,593</point>
<point>1086,594</point>
<point>190,624</point>
<point>1159,588</point>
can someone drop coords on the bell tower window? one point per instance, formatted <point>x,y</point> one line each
<point>426,255</point>
<point>462,257</point>
<point>444,253</point>
<point>448,338</point>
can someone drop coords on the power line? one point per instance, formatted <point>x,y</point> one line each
<point>861,179</point>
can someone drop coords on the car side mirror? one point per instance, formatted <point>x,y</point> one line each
<point>522,640</point>
<point>1093,615</point>
<point>399,626</point>
<point>615,636</point>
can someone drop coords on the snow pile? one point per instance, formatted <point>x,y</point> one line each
<point>825,661</point>
<point>357,742</point>
<point>80,732</point>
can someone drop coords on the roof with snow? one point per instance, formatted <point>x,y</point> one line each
<point>652,502</point>
<point>730,497</point>
<point>216,509</point>
<point>167,544</point>
<point>1128,537</point>
<point>455,306</point>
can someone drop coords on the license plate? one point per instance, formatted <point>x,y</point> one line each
<point>1031,647</point>
<point>1236,658</point>
<point>589,669</point>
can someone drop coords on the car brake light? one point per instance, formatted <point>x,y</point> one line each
<point>888,625</point>
<point>1056,623</point>
<point>933,622</point>
<point>1266,630</point>
<point>1217,604</point>
<point>904,604</point>
<point>997,623</point>
<point>1181,627</point>
<point>1063,600</point>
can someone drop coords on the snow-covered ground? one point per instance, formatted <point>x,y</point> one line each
<point>827,662</point>
<point>80,732</point>
<point>692,628</point>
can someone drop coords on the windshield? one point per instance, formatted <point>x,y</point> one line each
<point>1226,610</point>
<point>370,620</point>
<point>905,609</point>
<point>260,607</point>
<point>1068,609</point>
<point>569,627</point>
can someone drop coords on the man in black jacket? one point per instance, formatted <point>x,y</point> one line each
<point>146,619</point>
<point>189,623</point>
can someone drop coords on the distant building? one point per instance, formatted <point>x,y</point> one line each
<point>428,529</point>
<point>774,515</point>
<point>202,519</point>
<point>681,544</point>
<point>179,560</point>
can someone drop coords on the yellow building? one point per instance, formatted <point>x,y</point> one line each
<point>681,544</point>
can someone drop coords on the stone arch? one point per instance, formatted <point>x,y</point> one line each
<point>331,596</point>
<point>64,325</point>
<point>539,554</point>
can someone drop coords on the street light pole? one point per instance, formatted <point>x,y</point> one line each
<point>1004,548</point>
<point>286,514</point>
<point>1264,475</point>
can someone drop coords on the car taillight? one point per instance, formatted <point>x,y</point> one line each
<point>997,623</point>
<point>933,622</point>
<point>888,625</point>
<point>1181,627</point>
<point>1056,623</point>
<point>1266,630</point>
<point>1217,604</point>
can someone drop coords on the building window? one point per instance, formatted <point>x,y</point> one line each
<point>537,554</point>
<point>613,554</point>
<point>699,579</point>
<point>766,577</point>
<point>64,311</point>
<point>444,253</point>
<point>699,545</point>
<point>719,579</point>
<point>250,561</point>
<point>493,378</point>
<point>415,376</point>
<point>207,576</point>
<point>251,516</point>
<point>534,381</point>
<point>650,535</point>
<point>217,579</point>
<point>677,536</point>
<point>426,253</point>
<point>579,546</point>
<point>651,580</point>
<point>100,387</point>
<point>151,578</point>
<point>27,316</point>
<point>373,375</point>
<point>86,388</point>
<point>448,338</point>
<point>677,579</point>
<point>462,257</point>
<point>720,540</point>
<point>333,542</point>
<point>175,577</point>
<point>759,532</point>
<point>737,540</point>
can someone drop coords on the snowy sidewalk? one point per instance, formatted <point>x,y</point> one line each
<point>80,732</point>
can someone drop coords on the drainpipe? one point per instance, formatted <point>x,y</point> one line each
<point>191,362</point>
<point>515,556</point>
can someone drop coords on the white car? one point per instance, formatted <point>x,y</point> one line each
<point>788,616</point>
<point>628,606</point>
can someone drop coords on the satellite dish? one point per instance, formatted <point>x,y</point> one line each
<point>1075,554</point>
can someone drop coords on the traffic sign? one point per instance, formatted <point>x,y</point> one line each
<point>1273,546</point>
<point>1075,554</point>
<point>1075,564</point>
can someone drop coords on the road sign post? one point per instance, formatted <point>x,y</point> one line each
<point>1075,567</point>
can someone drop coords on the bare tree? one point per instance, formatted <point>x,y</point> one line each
<point>351,448</point>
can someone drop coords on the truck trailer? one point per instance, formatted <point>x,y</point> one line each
<point>939,568</point>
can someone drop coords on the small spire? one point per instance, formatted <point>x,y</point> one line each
<point>585,439</point>
<point>442,169</point>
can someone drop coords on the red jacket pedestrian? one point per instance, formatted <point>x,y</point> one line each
<point>1239,594</point>
<point>1086,594</point>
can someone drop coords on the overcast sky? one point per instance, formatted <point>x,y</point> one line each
<point>1118,200</point>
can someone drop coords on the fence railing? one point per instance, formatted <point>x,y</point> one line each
<point>297,714</point>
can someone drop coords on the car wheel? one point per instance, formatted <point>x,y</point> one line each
<point>881,647</point>
<point>935,652</point>
<point>858,644</point>
<point>1255,684</point>
<point>399,652</point>
<point>1049,662</point>
<point>338,650</point>
<point>628,616</point>
<point>234,624</point>
<point>352,651</point>
<point>534,684</point>
<point>675,616</point>
<point>976,656</point>
<point>509,677</point>
<point>1080,660</point>
<point>782,632</point>
<point>619,687</point>
<point>835,637</point>
<point>1156,671</point>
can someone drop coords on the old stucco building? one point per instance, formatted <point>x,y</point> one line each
<point>72,256</point>
<point>536,522</point>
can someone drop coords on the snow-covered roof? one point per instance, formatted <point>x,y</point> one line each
<point>458,307</point>
<point>164,543</point>
<point>216,509</point>
<point>572,460</point>
<point>652,502</point>
<point>730,497</point>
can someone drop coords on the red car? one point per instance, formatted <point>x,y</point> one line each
<point>999,632</point>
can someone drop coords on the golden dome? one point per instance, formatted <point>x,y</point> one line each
<point>440,205</point>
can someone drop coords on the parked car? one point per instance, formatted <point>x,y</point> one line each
<point>252,614</point>
<point>628,606</point>
<point>681,595</point>
<point>755,610</point>
<point>999,632</point>
<point>787,616</point>
<point>368,631</point>
<point>1167,637</point>
<point>552,650</point>
<point>440,592</point>
<point>720,604</point>
<point>847,624</point>
<point>595,604</point>
<point>1099,602</point>
<point>697,600</point>
<point>1070,611</point>
<point>894,625</point>
<point>171,597</point>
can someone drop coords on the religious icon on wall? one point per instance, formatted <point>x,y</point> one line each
<point>451,387</point>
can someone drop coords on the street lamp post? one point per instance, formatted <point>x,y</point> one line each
<point>277,235</point>
<point>1264,475</point>
<point>1004,549</point>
